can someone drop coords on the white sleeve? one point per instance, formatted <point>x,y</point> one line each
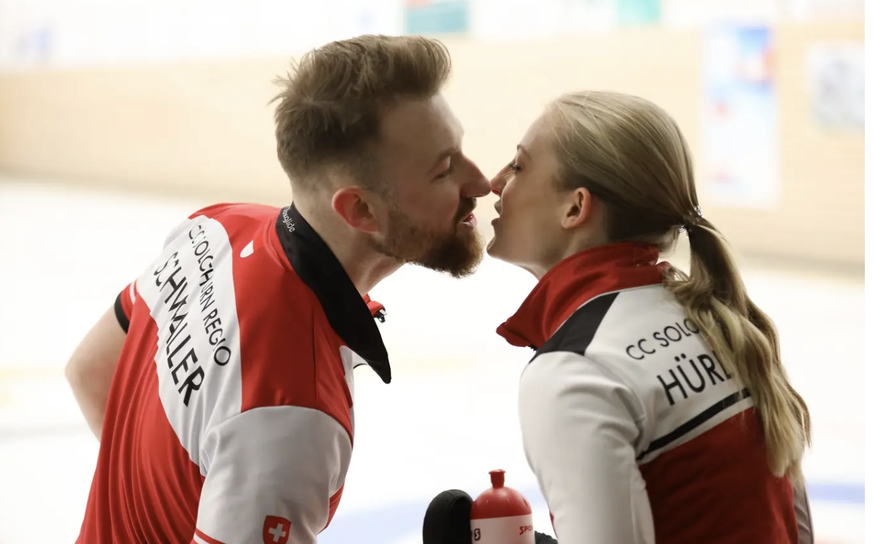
<point>579,425</point>
<point>803,516</point>
<point>270,476</point>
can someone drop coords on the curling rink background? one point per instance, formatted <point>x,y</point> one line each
<point>446,420</point>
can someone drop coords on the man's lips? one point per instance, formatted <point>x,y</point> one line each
<point>469,219</point>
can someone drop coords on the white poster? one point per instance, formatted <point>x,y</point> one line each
<point>26,34</point>
<point>696,14</point>
<point>60,34</point>
<point>816,10</point>
<point>836,79</point>
<point>578,16</point>
<point>369,17</point>
<point>514,20</point>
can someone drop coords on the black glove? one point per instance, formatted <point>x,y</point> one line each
<point>542,538</point>
<point>447,520</point>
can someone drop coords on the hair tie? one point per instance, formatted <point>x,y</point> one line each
<point>691,220</point>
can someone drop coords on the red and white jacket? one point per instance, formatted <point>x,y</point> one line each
<point>231,415</point>
<point>635,430</point>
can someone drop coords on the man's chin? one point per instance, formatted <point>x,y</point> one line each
<point>459,257</point>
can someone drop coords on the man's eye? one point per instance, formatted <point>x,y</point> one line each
<point>447,172</point>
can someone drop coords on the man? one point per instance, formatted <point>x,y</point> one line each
<point>230,412</point>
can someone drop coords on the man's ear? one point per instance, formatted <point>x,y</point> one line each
<point>578,209</point>
<point>351,203</point>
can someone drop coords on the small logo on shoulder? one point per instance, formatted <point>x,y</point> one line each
<point>248,250</point>
<point>276,530</point>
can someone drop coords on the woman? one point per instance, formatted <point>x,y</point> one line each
<point>656,407</point>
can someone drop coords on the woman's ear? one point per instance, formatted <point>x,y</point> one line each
<point>578,208</point>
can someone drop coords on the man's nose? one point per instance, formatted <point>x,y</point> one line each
<point>478,184</point>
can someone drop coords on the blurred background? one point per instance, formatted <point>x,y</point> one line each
<point>119,118</point>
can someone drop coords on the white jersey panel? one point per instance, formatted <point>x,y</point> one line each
<point>190,293</point>
<point>682,386</point>
<point>272,469</point>
<point>579,423</point>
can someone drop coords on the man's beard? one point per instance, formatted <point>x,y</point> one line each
<point>457,251</point>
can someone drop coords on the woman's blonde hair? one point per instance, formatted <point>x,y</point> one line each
<point>631,155</point>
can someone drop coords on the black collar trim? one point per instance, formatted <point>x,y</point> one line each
<point>346,310</point>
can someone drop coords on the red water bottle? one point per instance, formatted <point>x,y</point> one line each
<point>501,515</point>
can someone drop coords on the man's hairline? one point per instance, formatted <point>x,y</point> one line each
<point>359,158</point>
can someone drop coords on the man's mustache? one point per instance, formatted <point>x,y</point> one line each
<point>466,209</point>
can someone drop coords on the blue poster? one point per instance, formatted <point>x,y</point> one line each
<point>437,17</point>
<point>740,132</point>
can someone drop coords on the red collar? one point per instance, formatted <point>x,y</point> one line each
<point>576,280</point>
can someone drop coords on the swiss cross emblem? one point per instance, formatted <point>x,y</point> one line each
<point>276,530</point>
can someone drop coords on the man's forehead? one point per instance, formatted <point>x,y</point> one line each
<point>422,126</point>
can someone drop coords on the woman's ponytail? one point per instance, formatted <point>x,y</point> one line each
<point>745,341</point>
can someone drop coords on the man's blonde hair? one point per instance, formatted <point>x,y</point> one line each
<point>332,100</point>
